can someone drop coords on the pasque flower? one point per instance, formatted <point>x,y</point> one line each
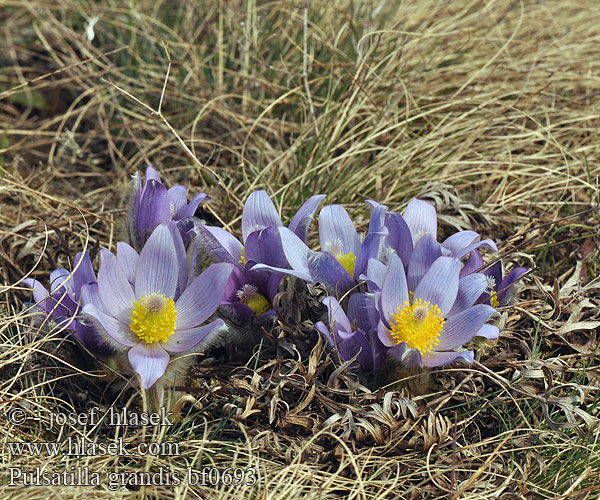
<point>353,334</point>
<point>153,204</point>
<point>69,292</point>
<point>250,289</point>
<point>150,309</point>
<point>422,325</point>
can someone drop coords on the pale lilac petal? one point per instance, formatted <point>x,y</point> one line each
<point>177,196</point>
<point>182,340</point>
<point>152,174</point>
<point>157,270</point>
<point>304,216</point>
<point>200,300</point>
<point>320,326</point>
<point>384,335</point>
<point>508,281</point>
<point>337,230</point>
<point>483,243</point>
<point>264,246</point>
<point>433,359</point>
<point>296,251</point>
<point>462,327</point>
<point>405,355</point>
<point>218,245</point>
<point>149,361</point>
<point>474,263</point>
<point>190,209</point>
<point>426,252</point>
<point>118,330</point>
<point>440,284</point>
<point>375,273</point>
<point>91,295</point>
<point>259,213</point>
<point>58,277</point>
<point>325,268</point>
<point>460,240</point>
<point>421,219</point>
<point>470,289</point>
<point>490,332</point>
<point>41,296</point>
<point>182,263</point>
<point>302,274</point>
<point>336,316</point>
<point>127,258</point>
<point>394,292</point>
<point>115,290</point>
<point>399,237</point>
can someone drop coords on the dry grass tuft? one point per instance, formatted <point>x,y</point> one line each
<point>490,111</point>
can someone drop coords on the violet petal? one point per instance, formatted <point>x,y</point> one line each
<point>157,270</point>
<point>462,327</point>
<point>440,284</point>
<point>259,213</point>
<point>304,216</point>
<point>150,362</point>
<point>185,339</point>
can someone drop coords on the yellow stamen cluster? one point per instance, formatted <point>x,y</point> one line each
<point>153,318</point>
<point>494,299</point>
<point>249,295</point>
<point>348,260</point>
<point>418,324</point>
<point>242,260</point>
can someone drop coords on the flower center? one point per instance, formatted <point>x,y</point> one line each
<point>348,260</point>
<point>418,324</point>
<point>491,282</point>
<point>153,318</point>
<point>494,298</point>
<point>242,260</point>
<point>249,295</point>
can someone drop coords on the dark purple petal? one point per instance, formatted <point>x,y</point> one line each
<point>494,271</point>
<point>378,217</point>
<point>149,361</point>
<point>490,332</point>
<point>177,196</point>
<point>506,284</point>
<point>158,268</point>
<point>460,240</point>
<point>351,344</point>
<point>470,289</point>
<point>182,263</point>
<point>433,359</point>
<point>182,340</point>
<point>399,237</point>
<point>91,340</point>
<point>118,330</point>
<point>265,247</point>
<point>361,308</point>
<point>304,216</point>
<point>421,219</point>
<point>483,243</point>
<point>259,213</point>
<point>83,272</point>
<point>236,281</point>
<point>200,300</point>
<point>462,327</point>
<point>154,209</point>
<point>243,312</point>
<point>440,284</point>
<point>325,268</point>
<point>273,286</point>
<point>474,263</point>
<point>405,355</point>
<point>190,209</point>
<point>336,231</point>
<point>369,249</point>
<point>394,291</point>
<point>426,252</point>
<point>114,288</point>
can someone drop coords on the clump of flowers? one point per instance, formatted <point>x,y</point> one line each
<point>394,293</point>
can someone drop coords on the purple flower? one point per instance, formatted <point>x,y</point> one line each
<point>424,323</point>
<point>153,204</point>
<point>354,334</point>
<point>251,289</point>
<point>69,292</point>
<point>153,311</point>
<point>499,289</point>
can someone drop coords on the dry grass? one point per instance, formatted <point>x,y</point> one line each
<point>491,110</point>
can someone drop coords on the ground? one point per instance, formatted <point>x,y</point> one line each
<point>489,110</point>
